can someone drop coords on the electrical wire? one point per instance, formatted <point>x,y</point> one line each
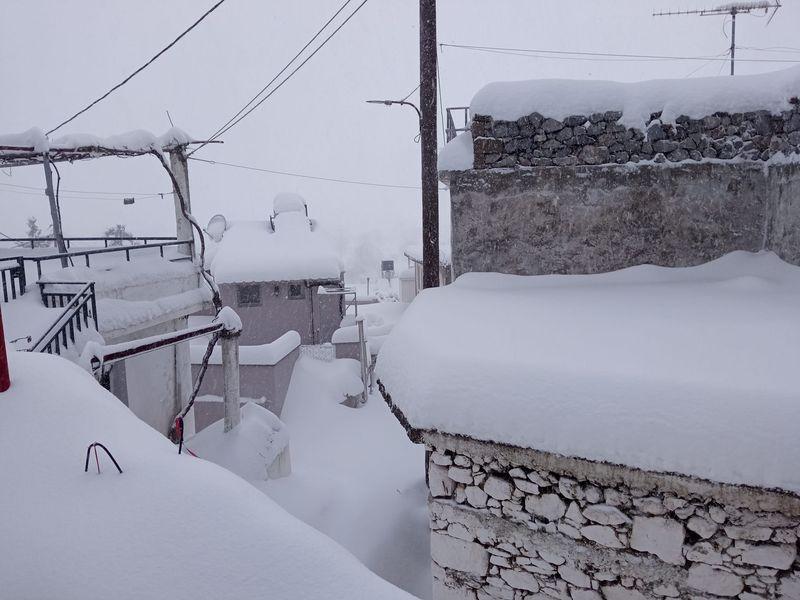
<point>599,56</point>
<point>42,192</point>
<point>139,70</point>
<point>287,78</point>
<point>138,195</point>
<point>286,66</point>
<point>314,177</point>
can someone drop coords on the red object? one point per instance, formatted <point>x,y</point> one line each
<point>5,377</point>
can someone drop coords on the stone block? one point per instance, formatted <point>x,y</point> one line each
<point>439,483</point>
<point>459,555</point>
<point>713,580</point>
<point>548,506</point>
<point>660,536</point>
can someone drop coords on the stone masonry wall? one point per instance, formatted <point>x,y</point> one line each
<point>511,525</point>
<point>536,140</point>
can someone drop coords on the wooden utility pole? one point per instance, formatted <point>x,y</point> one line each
<point>55,214</point>
<point>428,142</point>
<point>180,169</point>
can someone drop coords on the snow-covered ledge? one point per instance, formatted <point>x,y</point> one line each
<point>624,436</point>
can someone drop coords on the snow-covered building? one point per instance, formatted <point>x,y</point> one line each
<point>271,271</point>
<point>561,176</point>
<point>411,279</point>
<point>626,436</point>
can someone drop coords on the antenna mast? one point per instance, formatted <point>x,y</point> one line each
<point>731,9</point>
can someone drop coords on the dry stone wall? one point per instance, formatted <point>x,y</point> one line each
<point>536,140</point>
<point>508,530</point>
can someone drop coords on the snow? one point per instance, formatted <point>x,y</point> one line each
<point>288,202</point>
<point>355,475</point>
<point>248,449</point>
<point>263,354</point>
<point>170,526</point>
<point>121,273</point>
<point>116,315</point>
<point>457,155</point>
<point>251,251</point>
<point>229,319</point>
<point>379,320</point>
<point>135,141</point>
<point>695,97</point>
<point>414,253</point>
<point>687,370</point>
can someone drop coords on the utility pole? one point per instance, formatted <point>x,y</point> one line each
<point>428,142</point>
<point>732,9</point>
<point>55,214</point>
<point>180,169</point>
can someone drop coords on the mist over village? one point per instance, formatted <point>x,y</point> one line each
<point>371,299</point>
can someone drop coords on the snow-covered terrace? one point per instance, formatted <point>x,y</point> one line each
<point>684,370</point>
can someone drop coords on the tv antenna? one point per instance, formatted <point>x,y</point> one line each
<point>732,9</point>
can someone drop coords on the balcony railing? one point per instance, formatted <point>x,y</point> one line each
<point>79,307</point>
<point>68,241</point>
<point>12,276</point>
<point>452,130</point>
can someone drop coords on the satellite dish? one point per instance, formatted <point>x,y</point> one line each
<point>216,227</point>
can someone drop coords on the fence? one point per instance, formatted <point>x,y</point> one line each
<point>451,130</point>
<point>78,308</point>
<point>12,277</point>
<point>37,242</point>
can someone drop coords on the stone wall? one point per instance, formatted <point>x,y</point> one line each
<point>509,524</point>
<point>536,140</point>
<point>587,194</point>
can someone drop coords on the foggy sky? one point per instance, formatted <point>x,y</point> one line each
<point>56,55</point>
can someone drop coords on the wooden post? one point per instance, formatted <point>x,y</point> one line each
<point>230,373</point>
<point>428,143</point>
<point>5,377</point>
<point>180,169</point>
<point>55,214</point>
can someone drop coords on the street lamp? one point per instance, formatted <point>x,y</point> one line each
<point>400,102</point>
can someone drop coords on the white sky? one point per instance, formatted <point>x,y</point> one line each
<point>57,55</point>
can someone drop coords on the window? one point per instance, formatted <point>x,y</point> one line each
<point>276,290</point>
<point>248,295</point>
<point>296,291</point>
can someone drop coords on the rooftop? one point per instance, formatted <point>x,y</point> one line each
<point>687,370</point>
<point>287,247</point>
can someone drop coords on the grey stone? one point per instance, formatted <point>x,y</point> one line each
<point>666,590</point>
<point>552,125</point>
<point>703,552</point>
<point>574,576</point>
<point>547,506</point>
<point>612,116</point>
<point>596,117</point>
<point>601,534</point>
<point>460,474</point>
<point>585,595</point>
<point>711,122</point>
<point>439,483</point>
<point>751,533</point>
<point>520,580</point>
<point>656,132</point>
<point>712,580</point>
<point>443,460</point>
<point>605,514</point>
<point>486,145</point>
<point>593,155</point>
<point>774,556</point>
<point>650,505</point>
<point>665,146</point>
<point>617,592</point>
<point>574,120</point>
<point>459,555</point>
<point>660,536</point>
<point>569,531</point>
<point>678,155</point>
<point>498,488</point>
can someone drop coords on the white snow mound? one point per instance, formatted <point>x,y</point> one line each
<point>688,370</point>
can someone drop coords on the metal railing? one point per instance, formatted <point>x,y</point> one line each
<point>36,242</point>
<point>451,130</point>
<point>12,277</point>
<point>78,309</point>
<point>38,260</point>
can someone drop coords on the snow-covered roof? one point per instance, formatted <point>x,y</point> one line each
<point>252,251</point>
<point>157,529</point>
<point>695,97</point>
<point>687,370</point>
<point>138,140</point>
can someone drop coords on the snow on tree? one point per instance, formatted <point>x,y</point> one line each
<point>119,233</point>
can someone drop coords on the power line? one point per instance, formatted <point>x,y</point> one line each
<point>41,193</point>
<point>581,55</point>
<point>287,78</point>
<point>139,70</point>
<point>104,193</point>
<point>314,177</point>
<point>288,64</point>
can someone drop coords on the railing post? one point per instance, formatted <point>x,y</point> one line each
<point>5,376</point>
<point>230,372</point>
<point>362,347</point>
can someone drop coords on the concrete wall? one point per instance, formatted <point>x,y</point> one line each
<point>509,523</point>
<point>315,317</point>
<point>154,385</point>
<point>587,219</point>
<point>270,382</point>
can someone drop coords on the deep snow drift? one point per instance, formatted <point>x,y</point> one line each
<point>171,526</point>
<point>689,370</point>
